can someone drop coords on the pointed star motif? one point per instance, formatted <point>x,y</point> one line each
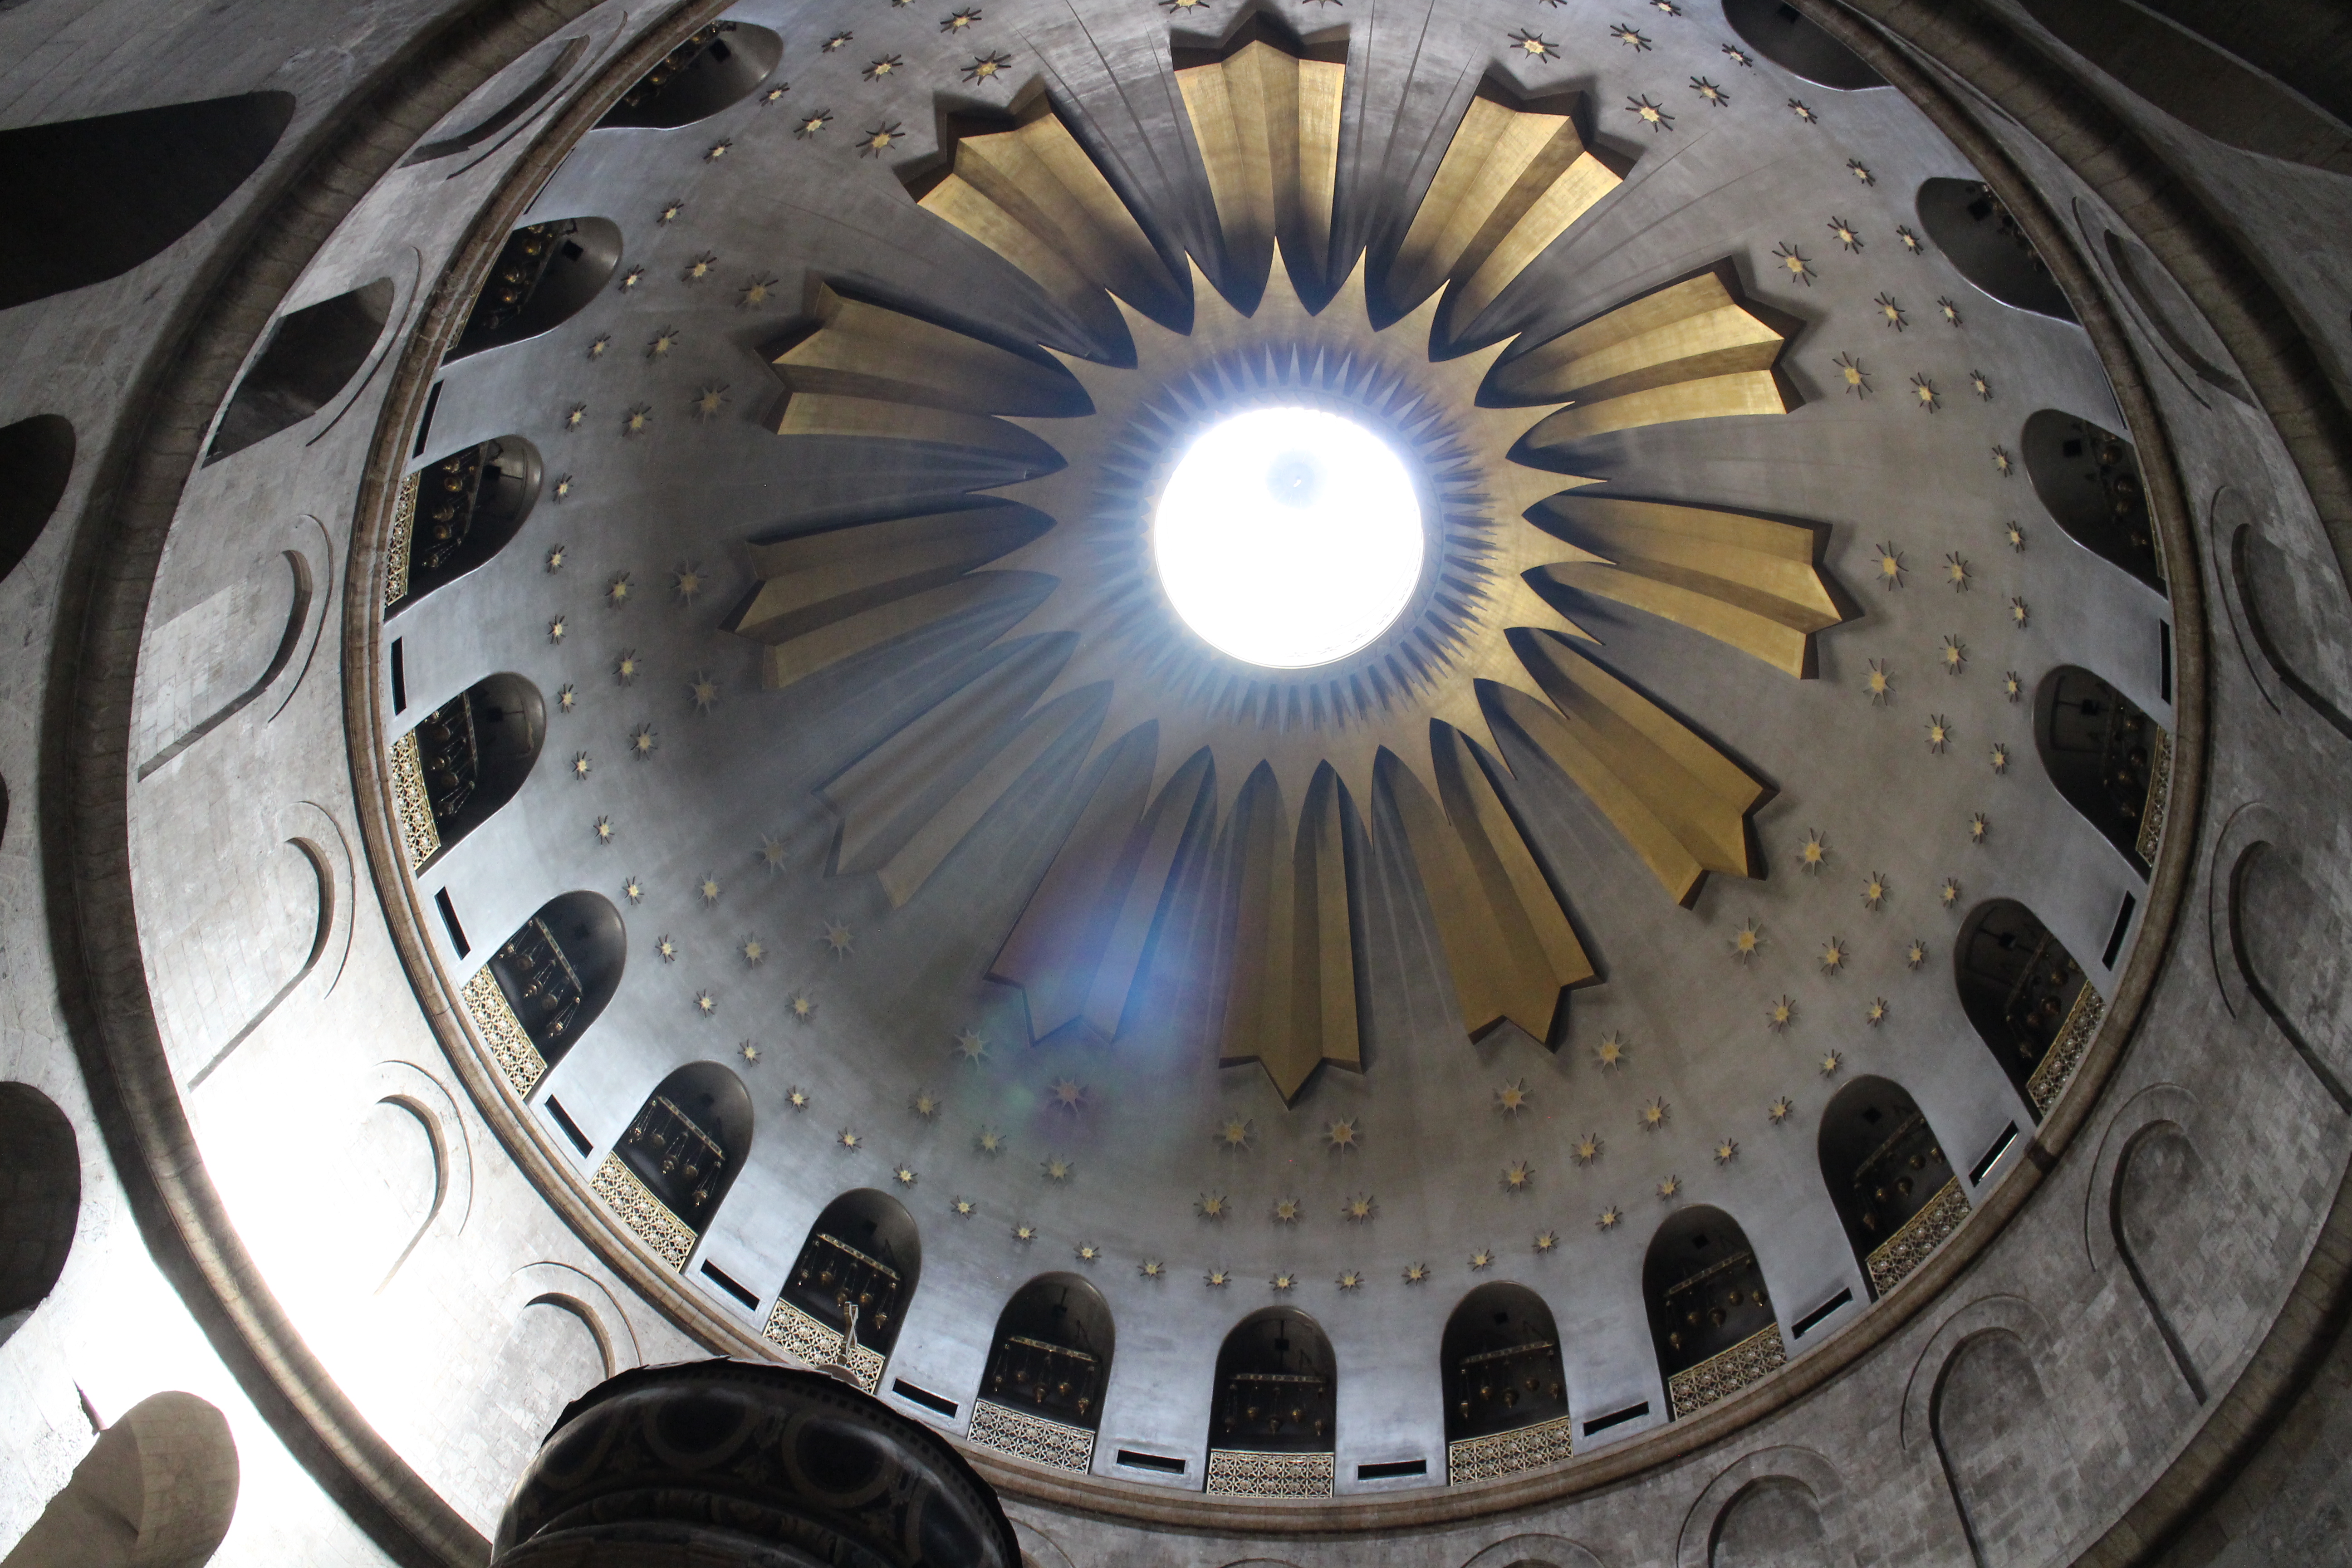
<point>1834,954</point>
<point>1351,1279</point>
<point>1519,1176</point>
<point>1068,1094</point>
<point>904,1174</point>
<point>1217,1279</point>
<point>1781,1109</point>
<point>1670,1186</point>
<point>1726,1152</point>
<point>1343,1135</point>
<point>1211,1206</point>
<point>1586,1149</point>
<point>1878,684</point>
<point>1482,1260</point>
<point>970,1046</point>
<point>837,938</point>
<point>1874,891</point>
<point>1360,1210</point>
<point>1547,1243</point>
<point>1653,1114</point>
<point>1608,1218</point>
<point>925,1105</point>
<point>1610,1052</point>
<point>1234,1135</point>
<point>1747,940</point>
<point>1286,1211</point>
<point>962,1208</point>
<point>797,1097</point>
<point>1416,1273</point>
<point>801,1005</point>
<point>1916,954</point>
<point>1831,1062</point>
<point>1780,1014</point>
<point>1876,1014</point>
<point>2000,759</point>
<point>1057,1168</point>
<point>1152,1269</point>
<point>1512,1098</point>
<point>989,1142</point>
<point>1814,852</point>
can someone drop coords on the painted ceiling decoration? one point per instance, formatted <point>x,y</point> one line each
<point>1180,739</point>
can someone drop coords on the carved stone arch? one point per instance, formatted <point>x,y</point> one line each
<point>2251,823</point>
<point>311,832</point>
<point>2007,1458</point>
<point>585,1294</point>
<point>2289,943</point>
<point>2013,1314</point>
<point>464,761</point>
<point>2158,1102</point>
<point>1786,1465</point>
<point>422,1094</point>
<point>1538,1550</point>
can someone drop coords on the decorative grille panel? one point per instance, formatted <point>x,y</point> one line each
<point>1919,1235</point>
<point>1720,1376</point>
<point>511,1048</point>
<point>1238,1472</point>
<point>2065,1053</point>
<point>1508,1452</point>
<point>814,1344</point>
<point>418,832</point>
<point>1031,1437</point>
<point>648,1217</point>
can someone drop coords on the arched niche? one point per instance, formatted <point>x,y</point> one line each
<point>1889,1179</point>
<point>2289,937</point>
<point>2088,480</point>
<point>157,1490</point>
<point>1781,34</point>
<point>2025,993</point>
<point>509,112</point>
<point>36,459</point>
<point>717,67</point>
<point>40,1199</point>
<point>1273,1410</point>
<point>1505,1387</point>
<point>2175,67</point>
<point>2105,755</point>
<point>554,976</point>
<point>543,275</point>
<point>1711,1318</point>
<point>1986,242</point>
<point>90,199</point>
<point>685,1143</point>
<point>2004,1449</point>
<point>312,355</point>
<point>1774,1522</point>
<point>464,759</point>
<point>2160,1211</point>
<point>456,512</point>
<point>1048,1364</point>
<point>863,1259</point>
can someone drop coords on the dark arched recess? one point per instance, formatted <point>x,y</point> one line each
<point>2088,479</point>
<point>1888,1178</point>
<point>2026,995</point>
<point>1711,1317</point>
<point>2176,65</point>
<point>717,67</point>
<point>860,1263</point>
<point>555,975</point>
<point>36,459</point>
<point>312,355</point>
<point>1782,35</point>
<point>687,1142</point>
<point>509,112</point>
<point>463,511</point>
<point>1048,1364</point>
<point>40,1198</point>
<point>544,274</point>
<point>1273,1412</point>
<point>2106,757</point>
<point>464,761</point>
<point>1505,1386</point>
<point>1990,248</point>
<point>88,200</point>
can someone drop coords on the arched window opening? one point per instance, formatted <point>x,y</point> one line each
<point>844,1301</point>
<point>90,199</point>
<point>40,1200</point>
<point>1041,1396</point>
<point>1783,35</point>
<point>668,1175</point>
<point>2028,1000</point>
<point>1506,1389</point>
<point>1889,1178</point>
<point>547,983</point>
<point>1711,1317</point>
<point>312,355</point>
<point>2178,69</point>
<point>1990,246</point>
<point>1273,1416</point>
<point>506,113</point>
<point>157,1490</point>
<point>2088,480</point>
<point>452,772</point>
<point>36,460</point>
<point>718,67</point>
<point>2110,760</point>
<point>543,275</point>
<point>455,513</point>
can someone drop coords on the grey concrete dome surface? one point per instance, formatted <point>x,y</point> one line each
<point>649,804</point>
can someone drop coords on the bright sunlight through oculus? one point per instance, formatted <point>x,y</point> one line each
<point>1288,537</point>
